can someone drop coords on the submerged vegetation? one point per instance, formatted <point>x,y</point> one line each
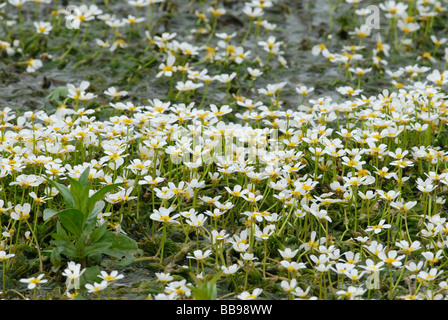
<point>258,149</point>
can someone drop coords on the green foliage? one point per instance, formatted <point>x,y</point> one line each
<point>205,289</point>
<point>58,94</point>
<point>77,236</point>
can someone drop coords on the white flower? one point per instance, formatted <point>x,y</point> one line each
<point>96,287</point>
<point>4,256</point>
<point>351,292</point>
<point>111,277</point>
<point>250,296</point>
<point>33,65</point>
<point>21,212</point>
<point>230,269</point>
<point>33,282</point>
<point>112,92</point>
<point>379,227</point>
<point>43,27</point>
<point>73,273</point>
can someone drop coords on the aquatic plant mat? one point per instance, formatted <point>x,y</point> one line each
<point>230,150</point>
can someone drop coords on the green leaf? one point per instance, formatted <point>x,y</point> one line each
<point>80,195</point>
<point>62,244</point>
<point>80,192</point>
<point>60,92</point>
<point>90,275</point>
<point>97,196</point>
<point>97,248</point>
<point>66,248</point>
<point>60,233</point>
<point>129,259</point>
<point>205,289</point>
<point>72,220</point>
<point>122,246</point>
<point>98,233</point>
<point>60,237</point>
<point>66,193</point>
<point>84,178</point>
<point>80,245</point>
<point>97,209</point>
<point>120,241</point>
<point>48,213</point>
<point>55,258</point>
<point>90,224</point>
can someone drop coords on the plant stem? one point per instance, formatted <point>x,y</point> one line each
<point>71,46</point>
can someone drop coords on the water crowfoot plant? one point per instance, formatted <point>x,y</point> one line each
<point>34,283</point>
<point>294,161</point>
<point>77,234</point>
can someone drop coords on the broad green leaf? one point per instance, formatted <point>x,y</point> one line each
<point>90,275</point>
<point>120,241</point>
<point>81,244</point>
<point>66,248</point>
<point>65,193</point>
<point>60,92</point>
<point>97,209</point>
<point>89,226</point>
<point>205,289</point>
<point>120,254</point>
<point>92,220</point>
<point>96,248</point>
<point>80,192</point>
<point>84,178</point>
<point>48,213</point>
<point>122,246</point>
<point>60,233</point>
<point>55,258</point>
<point>97,196</point>
<point>98,233</point>
<point>80,195</point>
<point>62,243</point>
<point>72,220</point>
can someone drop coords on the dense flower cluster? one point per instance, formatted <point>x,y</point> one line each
<point>327,199</point>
